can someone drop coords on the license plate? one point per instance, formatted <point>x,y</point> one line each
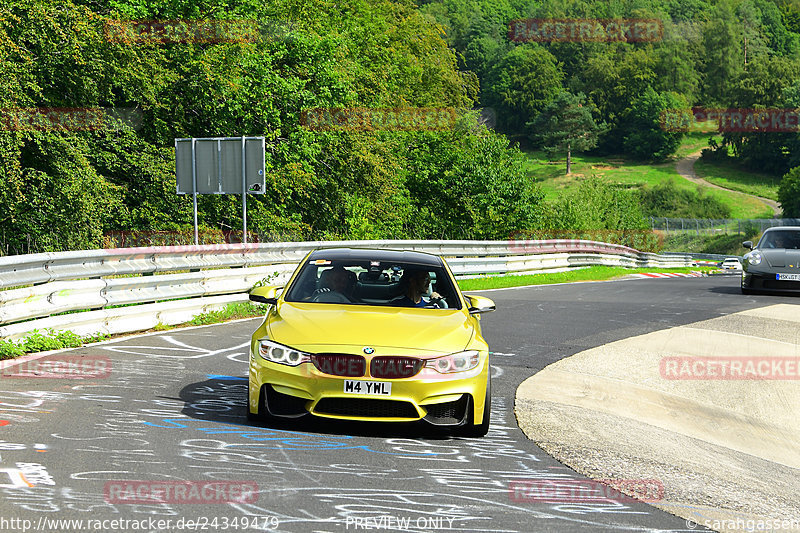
<point>788,277</point>
<point>377,388</point>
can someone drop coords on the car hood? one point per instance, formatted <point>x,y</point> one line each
<point>781,257</point>
<point>316,327</point>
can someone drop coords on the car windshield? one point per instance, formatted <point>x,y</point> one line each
<point>781,239</point>
<point>381,283</point>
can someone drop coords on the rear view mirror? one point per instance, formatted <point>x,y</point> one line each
<point>748,244</point>
<point>479,304</point>
<point>265,295</point>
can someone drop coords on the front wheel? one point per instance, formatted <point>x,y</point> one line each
<point>479,430</point>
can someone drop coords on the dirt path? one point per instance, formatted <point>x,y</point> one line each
<point>685,168</point>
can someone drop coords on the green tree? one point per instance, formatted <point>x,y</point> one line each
<point>764,82</point>
<point>469,183</point>
<point>790,14</point>
<point>723,52</point>
<point>644,134</point>
<point>566,124</point>
<point>776,28</point>
<point>676,60</point>
<point>613,79</point>
<point>789,194</point>
<point>521,84</point>
<point>768,83</point>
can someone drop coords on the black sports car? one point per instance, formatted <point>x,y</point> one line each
<point>774,264</point>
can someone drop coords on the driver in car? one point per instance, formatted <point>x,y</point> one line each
<point>415,284</point>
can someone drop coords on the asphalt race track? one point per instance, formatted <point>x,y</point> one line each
<point>172,408</point>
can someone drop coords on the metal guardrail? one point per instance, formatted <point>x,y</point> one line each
<point>716,226</point>
<point>172,284</point>
<point>702,257</point>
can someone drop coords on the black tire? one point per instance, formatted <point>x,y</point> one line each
<point>479,430</point>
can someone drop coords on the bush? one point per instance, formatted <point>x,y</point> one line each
<point>715,152</point>
<point>789,194</point>
<point>68,339</point>
<point>36,342</point>
<point>97,337</point>
<point>667,200</point>
<point>10,350</point>
<point>595,210</point>
<point>40,342</point>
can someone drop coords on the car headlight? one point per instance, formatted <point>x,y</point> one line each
<point>754,258</point>
<point>455,362</point>
<point>278,353</point>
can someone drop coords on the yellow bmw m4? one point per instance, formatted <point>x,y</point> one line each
<point>376,335</point>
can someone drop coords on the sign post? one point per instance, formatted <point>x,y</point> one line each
<point>220,165</point>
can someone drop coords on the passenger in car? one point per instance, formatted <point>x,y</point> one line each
<point>778,240</point>
<point>336,286</point>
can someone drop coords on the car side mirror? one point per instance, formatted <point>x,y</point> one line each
<point>479,304</point>
<point>265,295</point>
<point>748,244</point>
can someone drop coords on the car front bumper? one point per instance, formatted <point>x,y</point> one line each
<point>439,399</point>
<point>767,282</point>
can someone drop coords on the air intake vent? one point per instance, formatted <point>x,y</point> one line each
<point>340,364</point>
<point>395,367</point>
<point>366,408</point>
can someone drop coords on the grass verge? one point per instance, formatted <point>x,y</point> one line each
<point>232,311</point>
<point>594,273</point>
<point>42,342</point>
<point>732,177</point>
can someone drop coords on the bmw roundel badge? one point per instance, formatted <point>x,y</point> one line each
<point>368,350</point>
